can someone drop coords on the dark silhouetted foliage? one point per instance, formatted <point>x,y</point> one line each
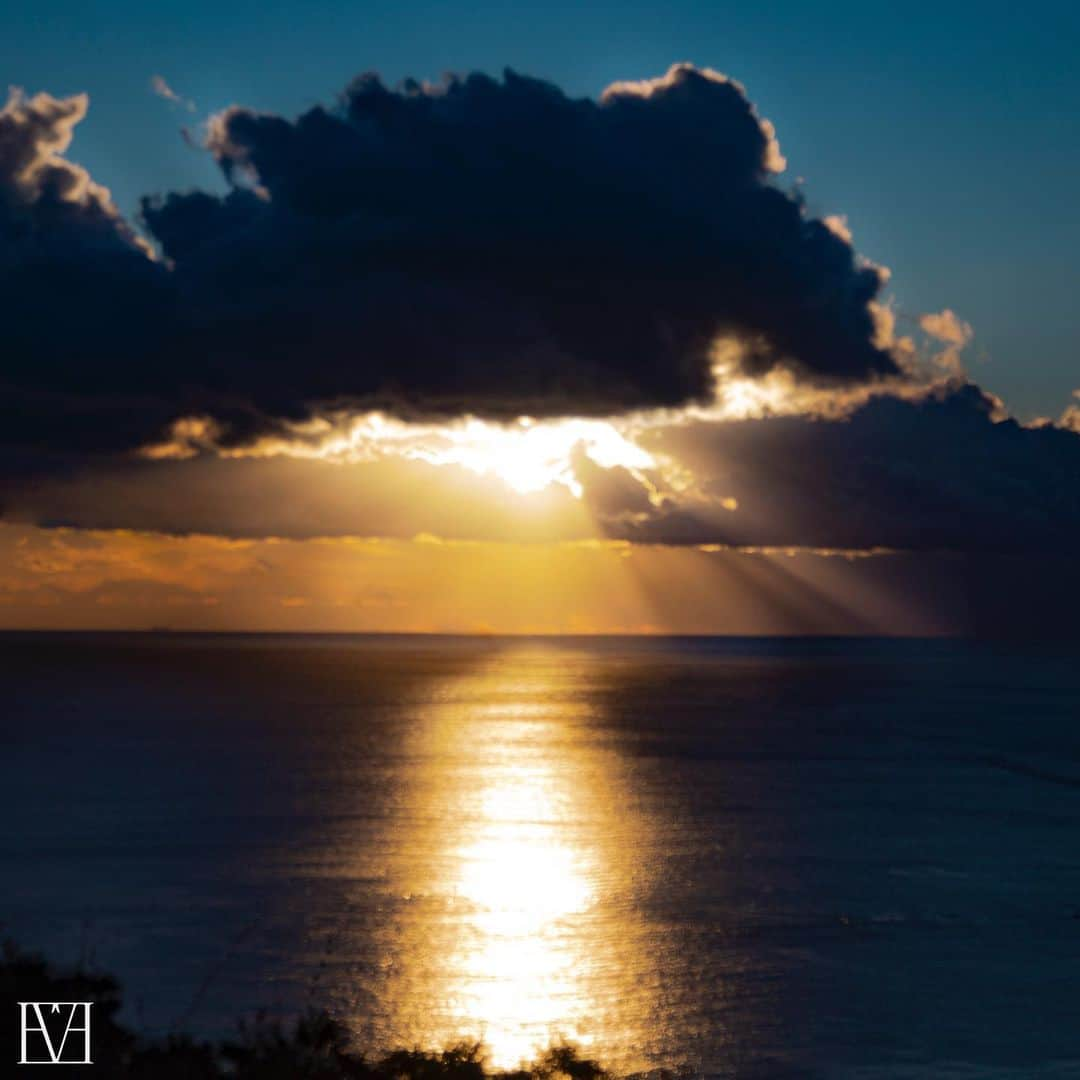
<point>314,1047</point>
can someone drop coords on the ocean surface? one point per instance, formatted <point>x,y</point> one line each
<point>750,857</point>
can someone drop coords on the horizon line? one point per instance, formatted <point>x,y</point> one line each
<point>480,635</point>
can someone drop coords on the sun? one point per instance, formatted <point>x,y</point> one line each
<point>529,455</point>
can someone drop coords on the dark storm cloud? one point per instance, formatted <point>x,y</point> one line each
<point>936,473</point>
<point>485,246</point>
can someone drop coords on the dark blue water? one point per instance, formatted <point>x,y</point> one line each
<point>835,858</point>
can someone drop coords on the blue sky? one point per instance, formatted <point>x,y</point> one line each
<point>948,134</point>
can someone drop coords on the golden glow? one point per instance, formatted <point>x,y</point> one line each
<point>529,455</point>
<point>66,579</point>
<point>519,839</point>
<point>740,399</point>
<point>519,879</point>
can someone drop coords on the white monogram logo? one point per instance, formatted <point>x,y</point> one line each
<point>38,1045</point>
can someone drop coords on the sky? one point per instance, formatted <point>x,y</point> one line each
<point>798,350</point>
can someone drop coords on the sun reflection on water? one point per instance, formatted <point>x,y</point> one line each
<point>520,857</point>
<point>519,879</point>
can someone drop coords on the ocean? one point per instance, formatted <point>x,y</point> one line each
<point>837,858</point>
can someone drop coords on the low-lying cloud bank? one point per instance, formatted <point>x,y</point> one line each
<point>930,472</point>
<point>941,471</point>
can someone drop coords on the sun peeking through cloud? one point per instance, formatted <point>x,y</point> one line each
<point>527,455</point>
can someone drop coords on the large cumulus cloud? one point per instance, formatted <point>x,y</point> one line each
<point>484,246</point>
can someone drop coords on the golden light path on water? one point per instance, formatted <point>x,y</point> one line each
<point>520,868</point>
